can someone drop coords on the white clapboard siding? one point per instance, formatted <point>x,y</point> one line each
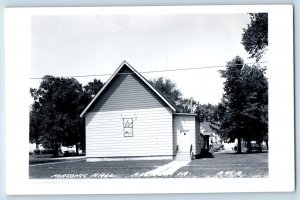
<point>186,123</point>
<point>152,133</point>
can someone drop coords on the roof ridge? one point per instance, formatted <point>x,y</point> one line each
<point>125,63</point>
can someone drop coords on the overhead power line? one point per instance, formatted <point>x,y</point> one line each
<point>156,71</point>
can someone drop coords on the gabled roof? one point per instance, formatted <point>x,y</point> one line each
<point>205,128</point>
<point>123,64</point>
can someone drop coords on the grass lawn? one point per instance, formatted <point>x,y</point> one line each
<point>222,165</point>
<point>36,159</point>
<point>110,169</point>
<point>236,165</point>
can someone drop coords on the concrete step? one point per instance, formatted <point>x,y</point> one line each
<point>183,156</point>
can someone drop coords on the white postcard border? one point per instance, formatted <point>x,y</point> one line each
<point>281,109</point>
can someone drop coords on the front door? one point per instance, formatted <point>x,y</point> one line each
<point>184,141</point>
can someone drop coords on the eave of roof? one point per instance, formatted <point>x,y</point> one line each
<point>136,73</point>
<point>207,133</point>
<point>188,114</point>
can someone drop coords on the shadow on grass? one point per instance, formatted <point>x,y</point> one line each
<point>236,153</point>
<point>208,154</point>
<point>252,152</point>
<point>205,154</point>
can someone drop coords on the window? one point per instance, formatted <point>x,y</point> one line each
<point>128,127</point>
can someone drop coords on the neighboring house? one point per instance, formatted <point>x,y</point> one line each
<point>129,119</point>
<point>211,137</point>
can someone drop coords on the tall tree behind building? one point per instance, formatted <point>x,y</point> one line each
<point>255,36</point>
<point>245,101</point>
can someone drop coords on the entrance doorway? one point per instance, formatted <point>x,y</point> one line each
<point>184,141</point>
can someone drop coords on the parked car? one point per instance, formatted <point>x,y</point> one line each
<point>217,147</point>
<point>69,153</point>
<point>255,147</point>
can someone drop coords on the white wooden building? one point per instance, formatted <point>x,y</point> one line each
<point>130,119</point>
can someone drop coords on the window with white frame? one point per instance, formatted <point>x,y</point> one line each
<point>128,127</point>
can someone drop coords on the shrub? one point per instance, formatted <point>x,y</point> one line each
<point>37,151</point>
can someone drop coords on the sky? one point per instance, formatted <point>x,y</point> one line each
<point>97,44</point>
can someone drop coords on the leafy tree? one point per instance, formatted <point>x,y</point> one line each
<point>218,114</point>
<point>206,112</point>
<point>187,105</point>
<point>244,108</point>
<point>92,88</point>
<point>168,89</point>
<point>54,113</point>
<point>35,123</point>
<point>255,36</point>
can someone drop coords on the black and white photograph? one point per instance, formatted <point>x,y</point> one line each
<point>123,96</point>
<point>140,94</point>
